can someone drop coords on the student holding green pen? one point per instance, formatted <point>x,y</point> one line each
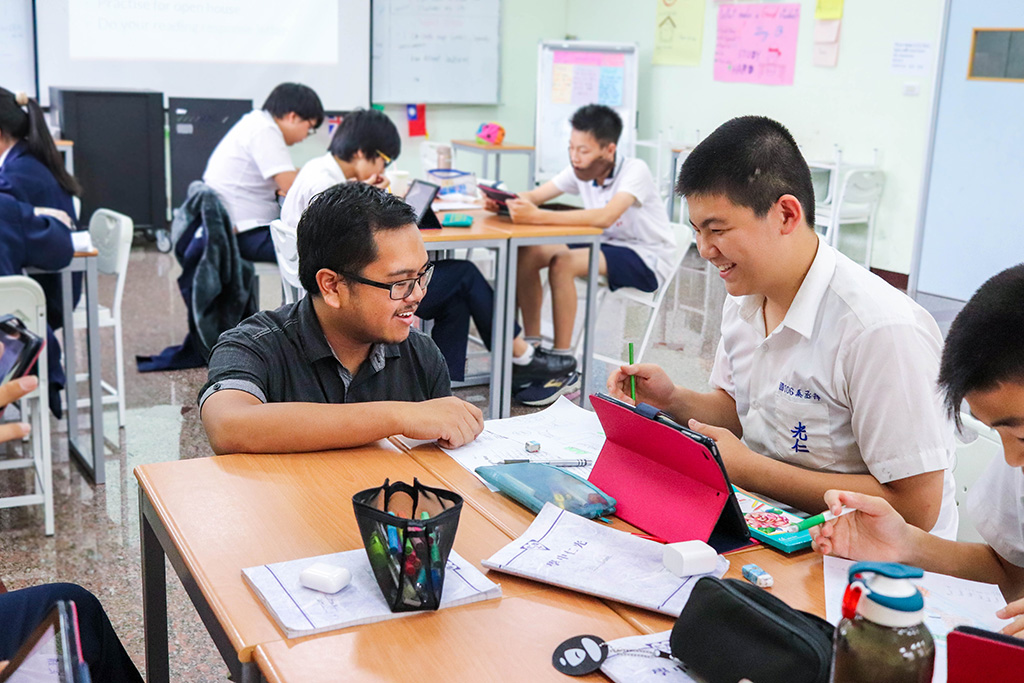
<point>982,363</point>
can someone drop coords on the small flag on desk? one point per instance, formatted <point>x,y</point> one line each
<point>417,116</point>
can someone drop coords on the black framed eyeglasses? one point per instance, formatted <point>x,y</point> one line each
<point>402,289</point>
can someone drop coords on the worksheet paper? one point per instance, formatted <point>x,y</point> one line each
<point>564,431</point>
<point>567,550</point>
<point>948,602</point>
<point>301,611</point>
<point>634,667</point>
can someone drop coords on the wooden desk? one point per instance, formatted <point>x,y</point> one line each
<point>481,235</point>
<point>497,150</point>
<point>213,517</point>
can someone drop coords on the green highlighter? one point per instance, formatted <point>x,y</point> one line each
<point>456,220</point>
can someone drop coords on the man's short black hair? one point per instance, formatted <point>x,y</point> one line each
<point>336,230</point>
<point>600,121</point>
<point>985,344</point>
<point>295,97</point>
<point>753,161</point>
<point>368,131</point>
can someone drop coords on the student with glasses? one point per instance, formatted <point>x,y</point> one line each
<point>364,145</point>
<point>343,367</point>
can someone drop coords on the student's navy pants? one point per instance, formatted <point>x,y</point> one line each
<point>22,610</point>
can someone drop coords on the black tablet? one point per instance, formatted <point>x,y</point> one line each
<point>498,196</point>
<point>53,653</point>
<point>419,196</point>
<point>21,349</point>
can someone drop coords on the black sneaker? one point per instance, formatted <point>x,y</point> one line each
<point>543,393</point>
<point>543,366</point>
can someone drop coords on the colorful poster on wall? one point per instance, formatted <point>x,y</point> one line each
<point>678,32</point>
<point>580,78</point>
<point>757,43</point>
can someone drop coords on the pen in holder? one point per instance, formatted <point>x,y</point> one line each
<point>408,532</point>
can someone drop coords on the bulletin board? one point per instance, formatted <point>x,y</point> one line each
<point>570,75</point>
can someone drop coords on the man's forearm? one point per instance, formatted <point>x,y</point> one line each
<point>301,427</point>
<point>591,218</point>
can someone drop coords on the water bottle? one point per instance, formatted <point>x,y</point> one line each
<point>882,637</point>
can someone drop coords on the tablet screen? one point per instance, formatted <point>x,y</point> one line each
<point>419,196</point>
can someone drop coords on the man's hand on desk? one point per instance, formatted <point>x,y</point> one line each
<point>450,420</point>
<point>524,211</point>
<point>54,213</point>
<point>653,385</point>
<point>378,180</point>
<point>491,205</point>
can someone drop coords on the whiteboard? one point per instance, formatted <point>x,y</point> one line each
<point>432,52</point>
<point>575,73</point>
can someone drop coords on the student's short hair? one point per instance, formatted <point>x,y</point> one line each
<point>295,97</point>
<point>985,344</point>
<point>600,121</point>
<point>753,161</point>
<point>368,131</point>
<point>336,230</point>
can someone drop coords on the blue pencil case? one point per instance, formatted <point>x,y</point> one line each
<point>532,484</point>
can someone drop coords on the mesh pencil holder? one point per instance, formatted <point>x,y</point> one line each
<point>408,532</point>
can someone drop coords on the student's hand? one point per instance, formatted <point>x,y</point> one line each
<point>378,180</point>
<point>450,420</point>
<point>523,211</point>
<point>875,532</point>
<point>54,213</point>
<point>1015,611</point>
<point>491,205</point>
<point>740,462</point>
<point>10,392</point>
<point>653,385</point>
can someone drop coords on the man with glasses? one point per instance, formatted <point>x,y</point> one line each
<point>251,165</point>
<point>343,366</point>
<point>361,148</point>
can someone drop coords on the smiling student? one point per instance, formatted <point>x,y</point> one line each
<point>343,366</point>
<point>982,363</point>
<point>619,196</point>
<point>824,370</point>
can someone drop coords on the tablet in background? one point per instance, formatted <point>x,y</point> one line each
<point>419,196</point>
<point>53,653</point>
<point>499,197</point>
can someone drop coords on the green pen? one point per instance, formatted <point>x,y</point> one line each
<point>632,378</point>
<point>826,516</point>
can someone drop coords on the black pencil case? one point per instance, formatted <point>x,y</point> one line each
<point>731,629</point>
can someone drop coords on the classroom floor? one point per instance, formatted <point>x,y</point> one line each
<point>97,539</point>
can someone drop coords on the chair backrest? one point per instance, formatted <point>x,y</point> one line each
<point>111,234</point>
<point>862,187</point>
<point>286,248</point>
<point>970,461</point>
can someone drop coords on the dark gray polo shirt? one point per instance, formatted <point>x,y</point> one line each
<point>283,356</point>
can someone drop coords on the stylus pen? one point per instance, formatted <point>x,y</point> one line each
<point>632,378</point>
<point>578,462</point>
<point>826,516</point>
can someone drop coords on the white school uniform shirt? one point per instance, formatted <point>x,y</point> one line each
<point>316,176</point>
<point>242,168</point>
<point>845,384</point>
<point>644,226</point>
<point>996,504</point>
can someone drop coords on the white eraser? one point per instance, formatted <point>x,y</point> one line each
<point>325,578</point>
<point>689,558</point>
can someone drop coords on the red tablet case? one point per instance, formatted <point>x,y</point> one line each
<point>977,656</point>
<point>664,482</point>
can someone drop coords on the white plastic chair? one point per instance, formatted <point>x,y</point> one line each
<point>857,200</point>
<point>111,234</point>
<point>24,297</point>
<point>970,461</point>
<point>286,248</point>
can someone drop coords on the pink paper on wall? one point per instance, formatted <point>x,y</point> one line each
<point>757,43</point>
<point>590,58</point>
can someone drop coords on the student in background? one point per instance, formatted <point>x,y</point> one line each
<point>251,165</point>
<point>620,197</point>
<point>364,144</point>
<point>983,362</point>
<point>825,370</point>
<point>343,366</point>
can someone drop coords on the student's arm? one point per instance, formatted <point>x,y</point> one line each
<point>284,181</point>
<point>524,211</point>
<point>238,422</point>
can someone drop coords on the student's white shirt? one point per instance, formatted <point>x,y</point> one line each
<point>644,226</point>
<point>316,176</point>
<point>846,383</point>
<point>996,504</point>
<point>242,168</point>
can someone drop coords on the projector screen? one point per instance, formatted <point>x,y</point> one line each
<point>231,49</point>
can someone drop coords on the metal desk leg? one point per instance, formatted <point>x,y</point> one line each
<point>486,163</point>
<point>497,167</point>
<point>510,324</point>
<point>590,321</point>
<point>154,598</point>
<point>531,178</point>
<point>71,388</point>
<point>95,374</point>
<point>500,335</point>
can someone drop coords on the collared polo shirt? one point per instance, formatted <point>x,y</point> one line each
<point>283,356</point>
<point>846,383</point>
<point>644,226</point>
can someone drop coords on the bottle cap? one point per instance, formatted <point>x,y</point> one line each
<point>888,597</point>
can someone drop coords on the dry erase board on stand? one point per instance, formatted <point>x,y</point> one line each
<point>575,73</point>
<point>433,52</point>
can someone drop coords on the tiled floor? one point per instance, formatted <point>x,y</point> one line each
<point>97,539</point>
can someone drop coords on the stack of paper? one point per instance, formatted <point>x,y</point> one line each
<point>567,550</point>
<point>300,611</point>
<point>635,665</point>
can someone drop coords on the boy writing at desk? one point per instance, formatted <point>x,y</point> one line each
<point>983,362</point>
<point>342,367</point>
<point>824,370</point>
